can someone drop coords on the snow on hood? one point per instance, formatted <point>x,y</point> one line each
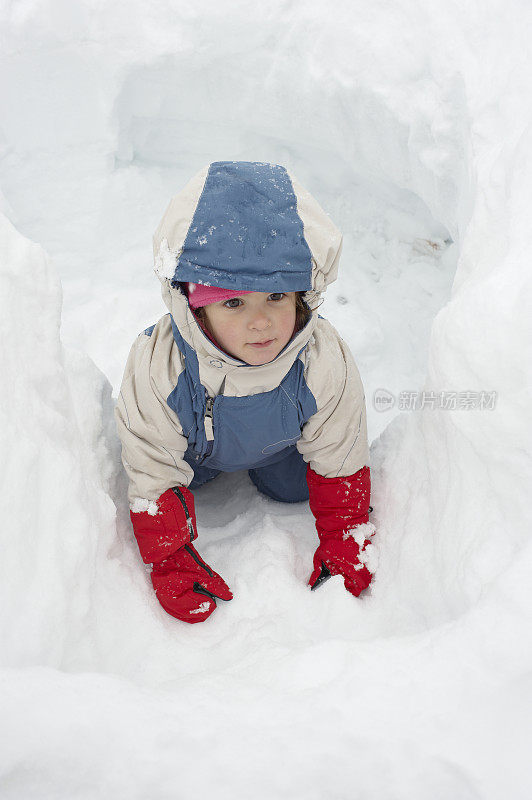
<point>246,225</point>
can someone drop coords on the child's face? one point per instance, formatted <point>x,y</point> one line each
<point>255,327</point>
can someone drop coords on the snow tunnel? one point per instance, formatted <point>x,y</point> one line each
<point>408,124</point>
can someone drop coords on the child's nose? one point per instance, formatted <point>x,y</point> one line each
<point>260,321</point>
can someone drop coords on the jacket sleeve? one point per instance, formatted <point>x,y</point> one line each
<point>152,439</point>
<point>334,440</point>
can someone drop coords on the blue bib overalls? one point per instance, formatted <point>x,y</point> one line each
<point>256,432</point>
<point>284,480</point>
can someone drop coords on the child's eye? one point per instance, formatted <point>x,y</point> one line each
<point>233,302</point>
<point>276,296</point>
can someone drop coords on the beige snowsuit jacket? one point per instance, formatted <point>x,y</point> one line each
<point>333,441</point>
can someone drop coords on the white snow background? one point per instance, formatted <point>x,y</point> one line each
<point>410,121</point>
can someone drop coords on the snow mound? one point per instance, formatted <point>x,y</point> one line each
<point>58,519</point>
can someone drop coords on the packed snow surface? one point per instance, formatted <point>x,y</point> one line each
<point>410,122</point>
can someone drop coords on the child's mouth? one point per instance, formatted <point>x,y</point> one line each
<point>267,343</point>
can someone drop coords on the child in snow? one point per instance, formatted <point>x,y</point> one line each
<point>244,374</point>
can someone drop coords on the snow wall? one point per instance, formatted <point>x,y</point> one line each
<point>405,693</point>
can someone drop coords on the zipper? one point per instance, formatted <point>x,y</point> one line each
<point>208,418</point>
<point>200,563</point>
<point>190,525</point>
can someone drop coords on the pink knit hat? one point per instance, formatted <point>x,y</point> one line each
<point>200,295</point>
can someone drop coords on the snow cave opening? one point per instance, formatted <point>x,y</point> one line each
<point>397,202</point>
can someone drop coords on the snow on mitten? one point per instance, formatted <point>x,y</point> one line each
<point>341,508</point>
<point>185,585</point>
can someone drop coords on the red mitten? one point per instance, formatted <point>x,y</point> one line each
<point>341,506</point>
<point>184,584</point>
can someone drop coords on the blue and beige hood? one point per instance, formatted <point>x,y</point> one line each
<point>247,225</point>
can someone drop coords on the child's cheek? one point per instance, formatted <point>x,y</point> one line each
<point>231,332</point>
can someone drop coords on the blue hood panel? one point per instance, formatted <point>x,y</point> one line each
<point>246,232</point>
